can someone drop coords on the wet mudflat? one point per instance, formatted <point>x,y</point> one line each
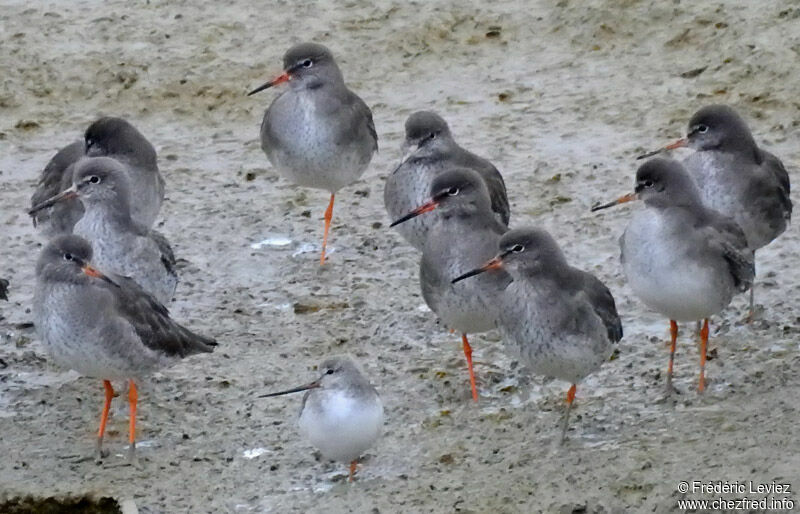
<point>560,96</point>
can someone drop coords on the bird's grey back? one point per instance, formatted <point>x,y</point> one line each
<point>755,194</point>
<point>492,177</point>
<point>772,192</point>
<point>725,237</point>
<point>602,302</point>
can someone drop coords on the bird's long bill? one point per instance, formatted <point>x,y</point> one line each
<point>422,209</point>
<point>91,271</point>
<point>306,387</point>
<point>94,272</point>
<point>283,77</point>
<point>622,199</point>
<point>67,194</point>
<point>495,263</point>
<point>680,143</point>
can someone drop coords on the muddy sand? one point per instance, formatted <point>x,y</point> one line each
<point>561,96</point>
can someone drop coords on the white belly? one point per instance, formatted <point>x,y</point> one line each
<point>340,426</point>
<point>663,272</point>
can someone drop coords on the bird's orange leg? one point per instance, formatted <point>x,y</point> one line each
<point>468,355</point>
<point>570,400</point>
<point>104,417</point>
<point>352,470</point>
<point>328,218</point>
<point>703,346</point>
<point>673,331</point>
<point>133,398</point>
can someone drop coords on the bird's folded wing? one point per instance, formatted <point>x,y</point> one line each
<point>726,236</point>
<point>151,320</point>
<point>357,117</point>
<point>604,306</point>
<point>167,255</point>
<point>497,192</point>
<point>773,190</point>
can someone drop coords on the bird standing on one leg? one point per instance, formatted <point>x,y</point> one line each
<point>464,235</point>
<point>561,321</point>
<point>318,133</point>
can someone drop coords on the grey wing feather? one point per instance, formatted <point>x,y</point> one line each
<point>741,263</point>
<point>359,120</point>
<point>167,255</point>
<point>494,182</point>
<point>779,187</point>
<point>603,304</point>
<point>370,123</point>
<point>728,238</point>
<point>165,249</point>
<point>151,320</point>
<point>497,192</point>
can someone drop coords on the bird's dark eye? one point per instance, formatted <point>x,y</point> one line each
<point>517,248</point>
<point>68,257</point>
<point>433,135</point>
<point>702,129</point>
<point>648,183</point>
<point>89,142</point>
<point>307,63</point>
<point>94,179</point>
<point>329,372</point>
<point>453,191</point>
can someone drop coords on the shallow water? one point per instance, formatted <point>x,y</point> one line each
<point>562,101</point>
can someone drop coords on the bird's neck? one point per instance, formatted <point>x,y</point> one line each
<point>116,212</point>
<point>554,269</point>
<point>743,147</point>
<point>471,217</point>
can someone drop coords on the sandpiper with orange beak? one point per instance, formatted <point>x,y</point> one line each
<point>318,133</point>
<point>681,259</point>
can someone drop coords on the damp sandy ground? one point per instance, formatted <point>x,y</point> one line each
<point>560,95</point>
